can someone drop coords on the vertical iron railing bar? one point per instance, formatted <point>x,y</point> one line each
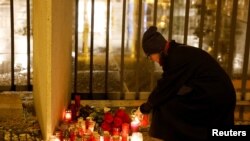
<point>76,47</point>
<point>232,38</point>
<point>90,95</point>
<point>229,68</point>
<point>28,45</point>
<point>245,67</point>
<point>154,24</point>
<point>122,96</point>
<point>246,58</point>
<point>107,49</point>
<point>171,18</point>
<point>13,88</point>
<point>217,28</point>
<point>155,12</point>
<point>138,45</point>
<point>186,21</point>
<point>202,21</point>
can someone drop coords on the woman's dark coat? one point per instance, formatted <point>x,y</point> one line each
<point>193,96</point>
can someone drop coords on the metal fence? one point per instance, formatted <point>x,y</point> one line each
<point>15,75</point>
<point>108,62</point>
<point>221,31</point>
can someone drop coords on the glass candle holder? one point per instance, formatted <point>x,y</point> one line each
<point>145,120</point>
<point>135,126</point>
<point>106,136</point>
<point>91,125</point>
<point>116,138</point>
<point>68,115</point>
<point>125,128</point>
<point>125,136</point>
<point>136,136</point>
<point>115,131</point>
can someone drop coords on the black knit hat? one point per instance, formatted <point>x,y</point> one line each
<point>153,41</point>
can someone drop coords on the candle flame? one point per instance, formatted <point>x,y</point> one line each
<point>136,120</point>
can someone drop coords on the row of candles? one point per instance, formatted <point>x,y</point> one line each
<point>136,136</point>
<point>88,125</point>
<point>138,119</point>
<point>134,124</point>
<point>83,130</point>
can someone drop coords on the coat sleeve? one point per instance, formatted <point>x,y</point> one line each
<point>171,82</point>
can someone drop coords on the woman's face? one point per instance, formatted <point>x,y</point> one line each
<point>155,57</point>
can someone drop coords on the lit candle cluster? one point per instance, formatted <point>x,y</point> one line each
<point>81,129</point>
<point>87,129</point>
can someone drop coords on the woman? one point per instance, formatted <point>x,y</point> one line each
<point>194,94</point>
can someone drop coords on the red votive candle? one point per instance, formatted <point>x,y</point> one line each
<point>73,111</point>
<point>145,121</point>
<point>116,138</point>
<point>77,100</point>
<point>106,136</point>
<point>134,126</point>
<point>125,128</point>
<point>72,135</point>
<point>80,131</point>
<point>124,136</point>
<point>116,131</point>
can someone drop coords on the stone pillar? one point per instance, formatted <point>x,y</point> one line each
<point>52,46</point>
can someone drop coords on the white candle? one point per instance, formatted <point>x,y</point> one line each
<point>101,138</point>
<point>136,136</point>
<point>54,138</point>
